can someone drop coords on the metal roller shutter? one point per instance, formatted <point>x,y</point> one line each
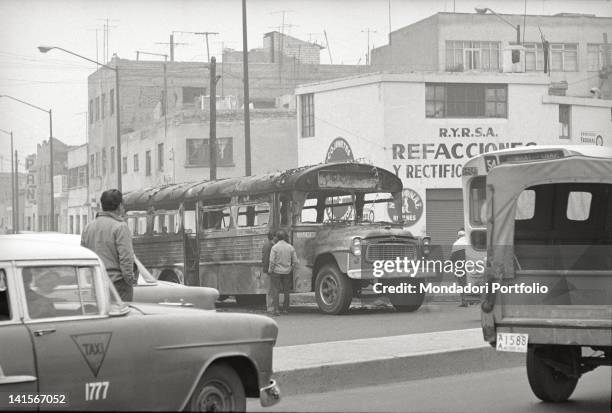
<point>444,217</point>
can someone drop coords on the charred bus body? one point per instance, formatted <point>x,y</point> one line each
<point>341,219</point>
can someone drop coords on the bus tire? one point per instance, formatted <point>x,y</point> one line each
<point>169,276</point>
<point>333,290</point>
<point>548,384</point>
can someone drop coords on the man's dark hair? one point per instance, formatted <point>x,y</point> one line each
<point>281,234</point>
<point>271,234</point>
<point>111,199</point>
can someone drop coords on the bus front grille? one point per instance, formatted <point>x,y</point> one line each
<point>388,251</point>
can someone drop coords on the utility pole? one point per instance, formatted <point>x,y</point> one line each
<point>107,28</point>
<point>212,140</point>
<point>172,44</point>
<point>368,31</point>
<point>206,34</point>
<point>247,118</point>
<point>16,224</point>
<point>331,62</point>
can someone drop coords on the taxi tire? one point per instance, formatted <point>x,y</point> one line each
<point>331,273</point>
<point>220,380</point>
<point>548,384</point>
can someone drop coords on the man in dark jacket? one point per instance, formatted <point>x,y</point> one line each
<point>283,262</point>
<point>109,237</point>
<point>265,263</point>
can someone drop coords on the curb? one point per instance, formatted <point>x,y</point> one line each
<point>326,376</point>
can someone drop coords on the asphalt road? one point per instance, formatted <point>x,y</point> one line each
<point>500,391</point>
<point>305,324</point>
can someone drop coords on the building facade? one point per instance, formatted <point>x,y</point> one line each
<point>165,118</point>
<point>79,201</point>
<point>6,201</point>
<point>424,126</point>
<point>41,171</point>
<point>459,42</point>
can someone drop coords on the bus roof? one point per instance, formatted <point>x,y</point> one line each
<point>307,178</point>
<point>568,150</point>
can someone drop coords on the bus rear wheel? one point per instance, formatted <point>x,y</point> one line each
<point>547,383</point>
<point>333,290</point>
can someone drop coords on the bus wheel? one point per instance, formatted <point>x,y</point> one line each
<point>251,299</point>
<point>407,302</point>
<point>333,290</point>
<point>547,383</point>
<point>169,276</point>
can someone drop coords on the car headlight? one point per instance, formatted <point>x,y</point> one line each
<point>355,246</point>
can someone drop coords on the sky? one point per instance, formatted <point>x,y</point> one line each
<point>59,81</point>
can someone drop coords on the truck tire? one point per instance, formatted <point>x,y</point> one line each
<point>548,384</point>
<point>406,302</point>
<point>333,290</point>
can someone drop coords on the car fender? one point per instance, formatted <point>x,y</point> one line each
<point>209,362</point>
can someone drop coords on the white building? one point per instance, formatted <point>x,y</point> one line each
<point>79,199</point>
<point>423,127</point>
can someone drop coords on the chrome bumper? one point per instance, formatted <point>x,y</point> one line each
<point>269,395</point>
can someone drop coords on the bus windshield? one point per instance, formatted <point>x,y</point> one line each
<point>332,207</point>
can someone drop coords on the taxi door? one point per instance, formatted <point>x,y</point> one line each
<point>17,371</point>
<point>97,361</point>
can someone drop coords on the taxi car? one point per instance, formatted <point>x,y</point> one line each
<point>148,289</point>
<point>66,334</point>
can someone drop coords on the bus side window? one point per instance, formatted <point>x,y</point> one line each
<point>253,215</point>
<point>189,221</point>
<point>309,211</point>
<point>285,210</point>
<point>215,219</point>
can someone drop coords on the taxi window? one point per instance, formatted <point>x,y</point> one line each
<point>5,308</point>
<point>60,291</point>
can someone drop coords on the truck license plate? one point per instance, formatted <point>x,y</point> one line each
<point>512,342</point>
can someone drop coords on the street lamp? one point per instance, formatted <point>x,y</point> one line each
<point>13,190</point>
<point>483,10</point>
<point>52,201</point>
<point>45,49</point>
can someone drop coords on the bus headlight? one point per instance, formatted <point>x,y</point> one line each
<point>355,246</point>
<point>426,246</point>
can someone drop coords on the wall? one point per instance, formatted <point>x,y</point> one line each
<point>379,119</point>
<point>422,45</point>
<point>411,48</point>
<point>273,147</point>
